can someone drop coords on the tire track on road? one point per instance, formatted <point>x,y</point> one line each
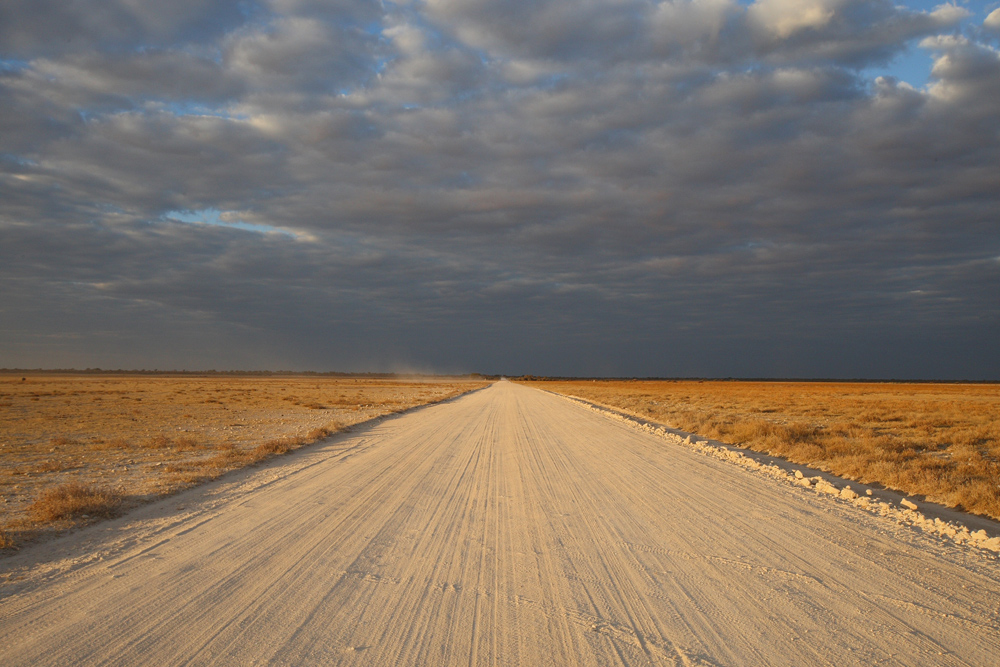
<point>513,527</point>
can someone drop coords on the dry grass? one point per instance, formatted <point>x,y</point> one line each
<point>74,500</point>
<point>940,441</point>
<point>146,436</point>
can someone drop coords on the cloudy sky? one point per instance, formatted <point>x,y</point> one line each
<point>804,188</point>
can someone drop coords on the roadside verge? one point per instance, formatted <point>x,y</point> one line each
<point>950,524</point>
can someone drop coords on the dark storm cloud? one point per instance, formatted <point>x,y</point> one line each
<point>632,187</point>
<point>852,32</point>
<point>32,28</point>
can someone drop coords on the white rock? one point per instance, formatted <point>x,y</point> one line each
<point>908,504</point>
<point>824,486</point>
<point>992,544</point>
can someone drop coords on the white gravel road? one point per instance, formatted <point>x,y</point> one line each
<point>506,527</point>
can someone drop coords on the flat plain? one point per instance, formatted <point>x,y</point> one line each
<point>506,527</point>
<point>75,448</point>
<point>935,441</point>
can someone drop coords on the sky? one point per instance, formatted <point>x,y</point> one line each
<point>712,188</point>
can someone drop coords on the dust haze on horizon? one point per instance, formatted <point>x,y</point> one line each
<point>712,188</point>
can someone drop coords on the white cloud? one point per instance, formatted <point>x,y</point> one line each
<point>992,21</point>
<point>949,14</point>
<point>785,17</point>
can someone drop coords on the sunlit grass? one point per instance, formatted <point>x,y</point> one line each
<point>146,436</point>
<point>74,500</point>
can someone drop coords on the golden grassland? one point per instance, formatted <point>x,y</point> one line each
<point>76,448</point>
<point>939,441</point>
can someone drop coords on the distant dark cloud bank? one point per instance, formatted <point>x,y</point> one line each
<point>613,187</point>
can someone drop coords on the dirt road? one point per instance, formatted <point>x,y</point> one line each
<point>507,527</point>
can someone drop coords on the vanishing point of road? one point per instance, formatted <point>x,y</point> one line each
<point>506,527</point>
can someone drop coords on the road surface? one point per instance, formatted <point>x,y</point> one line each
<point>506,527</point>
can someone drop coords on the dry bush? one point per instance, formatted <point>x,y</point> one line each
<point>322,432</point>
<point>159,441</point>
<point>272,448</point>
<point>72,500</point>
<point>112,443</point>
<point>51,465</point>
<point>228,456</point>
<point>185,445</point>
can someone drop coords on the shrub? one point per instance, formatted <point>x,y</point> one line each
<point>159,442</point>
<point>185,444</point>
<point>72,500</point>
